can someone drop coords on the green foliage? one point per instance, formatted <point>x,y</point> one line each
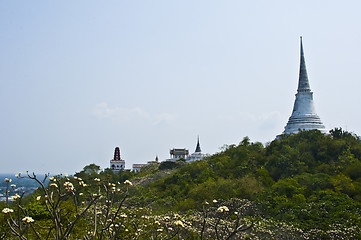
<point>292,178</point>
<point>307,180</point>
<point>91,168</point>
<point>171,164</point>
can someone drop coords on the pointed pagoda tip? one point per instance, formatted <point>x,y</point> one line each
<point>303,84</point>
<point>198,147</point>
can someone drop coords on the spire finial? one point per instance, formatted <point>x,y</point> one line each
<point>198,148</point>
<point>303,84</point>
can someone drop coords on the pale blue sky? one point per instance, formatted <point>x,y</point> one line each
<point>78,78</point>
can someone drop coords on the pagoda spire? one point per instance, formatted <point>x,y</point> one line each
<point>303,84</point>
<point>198,148</point>
<point>117,154</point>
<point>304,115</point>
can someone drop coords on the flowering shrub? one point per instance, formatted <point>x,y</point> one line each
<point>72,208</point>
<point>73,212</point>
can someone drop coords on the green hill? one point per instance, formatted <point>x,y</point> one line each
<point>301,186</point>
<point>309,179</point>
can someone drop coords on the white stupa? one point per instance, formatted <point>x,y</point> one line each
<point>303,116</point>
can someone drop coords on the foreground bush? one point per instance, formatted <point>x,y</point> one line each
<point>69,208</point>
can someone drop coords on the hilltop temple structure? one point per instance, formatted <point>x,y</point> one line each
<point>178,153</point>
<point>303,116</point>
<point>197,155</point>
<point>182,153</point>
<point>117,163</point>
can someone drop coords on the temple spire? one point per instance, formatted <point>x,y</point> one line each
<point>303,84</point>
<point>304,115</point>
<point>198,148</point>
<point>117,154</point>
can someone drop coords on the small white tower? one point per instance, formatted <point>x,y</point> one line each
<point>197,155</point>
<point>117,164</point>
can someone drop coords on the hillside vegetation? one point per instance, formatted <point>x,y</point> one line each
<point>308,179</point>
<point>301,186</point>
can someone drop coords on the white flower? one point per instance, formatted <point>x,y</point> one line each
<point>52,178</point>
<point>53,185</point>
<point>13,185</point>
<point>7,210</point>
<point>123,216</point>
<point>7,180</point>
<point>15,197</point>
<point>222,209</point>
<point>97,179</point>
<point>69,186</point>
<point>38,198</point>
<point>128,183</point>
<point>215,201</point>
<point>179,223</point>
<point>28,219</point>
<point>81,194</point>
<point>81,183</point>
<point>160,230</point>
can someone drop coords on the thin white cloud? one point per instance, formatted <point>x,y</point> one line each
<point>122,114</point>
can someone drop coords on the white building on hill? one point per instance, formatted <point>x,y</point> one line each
<point>117,164</point>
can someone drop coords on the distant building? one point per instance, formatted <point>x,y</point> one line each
<point>197,155</point>
<point>178,153</point>
<point>303,116</point>
<point>137,167</point>
<point>117,164</point>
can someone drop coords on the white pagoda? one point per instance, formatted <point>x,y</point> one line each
<point>303,116</point>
